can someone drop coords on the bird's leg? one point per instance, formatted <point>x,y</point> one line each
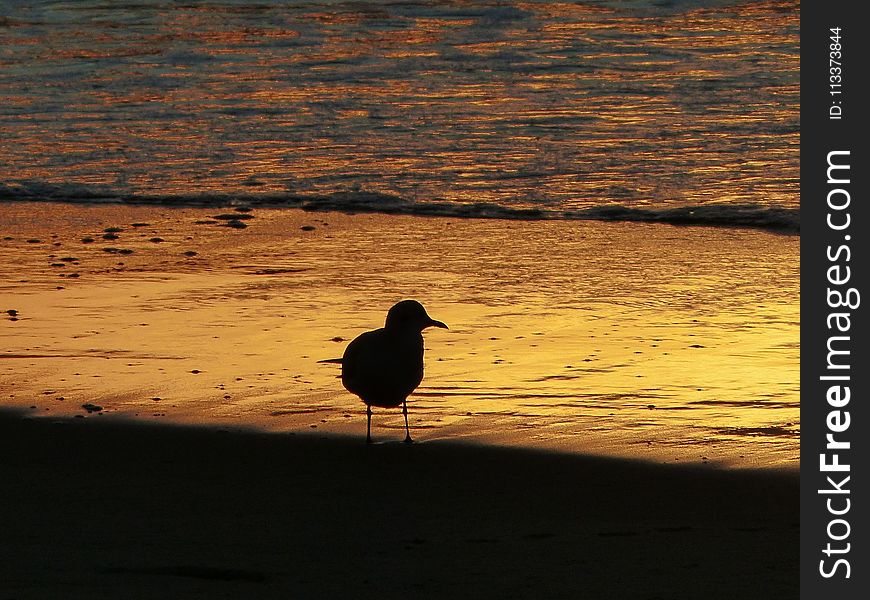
<point>368,424</point>
<point>408,439</point>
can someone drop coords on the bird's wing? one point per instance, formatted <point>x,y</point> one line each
<point>383,368</point>
<point>362,356</point>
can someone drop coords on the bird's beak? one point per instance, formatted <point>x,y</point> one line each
<point>434,323</point>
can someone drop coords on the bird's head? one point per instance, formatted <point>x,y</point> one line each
<point>410,314</point>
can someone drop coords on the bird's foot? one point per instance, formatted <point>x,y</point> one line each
<point>369,440</point>
<point>408,440</point>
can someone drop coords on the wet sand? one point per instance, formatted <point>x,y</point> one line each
<point>671,344</point>
<point>103,508</point>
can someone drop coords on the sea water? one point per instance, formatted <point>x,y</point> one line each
<point>560,108</point>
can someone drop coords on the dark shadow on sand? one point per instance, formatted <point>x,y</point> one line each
<point>103,508</point>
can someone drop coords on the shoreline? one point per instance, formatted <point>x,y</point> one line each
<point>780,220</point>
<point>99,508</point>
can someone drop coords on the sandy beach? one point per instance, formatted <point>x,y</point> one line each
<point>106,509</point>
<point>168,431</point>
<point>609,347</point>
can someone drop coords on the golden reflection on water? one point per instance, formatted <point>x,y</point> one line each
<point>644,340</point>
<point>562,103</point>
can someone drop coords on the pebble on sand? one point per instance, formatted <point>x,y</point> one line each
<point>308,228</point>
<point>235,224</point>
<point>91,408</point>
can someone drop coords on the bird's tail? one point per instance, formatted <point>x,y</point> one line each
<point>332,361</point>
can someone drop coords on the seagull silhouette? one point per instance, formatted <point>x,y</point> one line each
<point>384,366</point>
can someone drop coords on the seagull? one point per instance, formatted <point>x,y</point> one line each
<point>384,366</point>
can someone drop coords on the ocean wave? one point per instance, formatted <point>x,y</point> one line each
<point>746,215</point>
<point>773,218</point>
